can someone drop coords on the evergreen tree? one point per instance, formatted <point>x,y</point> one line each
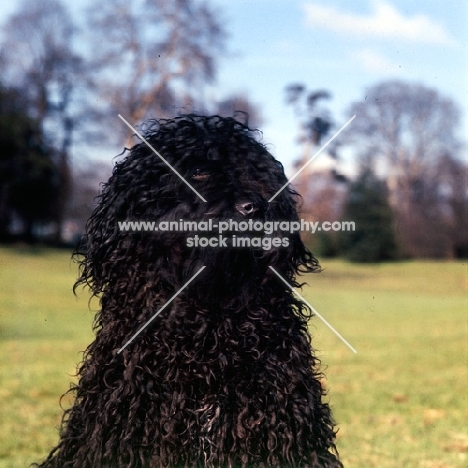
<point>28,174</point>
<point>373,239</point>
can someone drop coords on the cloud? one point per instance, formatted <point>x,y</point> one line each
<point>385,21</point>
<point>375,63</point>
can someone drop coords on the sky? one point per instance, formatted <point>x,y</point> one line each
<point>343,47</point>
<point>336,45</point>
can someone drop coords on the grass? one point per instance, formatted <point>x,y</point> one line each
<point>401,401</point>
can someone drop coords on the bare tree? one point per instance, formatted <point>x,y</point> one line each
<point>88,179</point>
<point>240,107</point>
<point>152,57</point>
<point>407,127</point>
<point>453,180</point>
<point>38,57</point>
<point>315,122</point>
<point>404,129</point>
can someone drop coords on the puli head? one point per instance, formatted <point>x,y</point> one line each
<point>199,196</point>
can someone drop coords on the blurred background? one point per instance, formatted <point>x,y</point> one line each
<point>298,70</point>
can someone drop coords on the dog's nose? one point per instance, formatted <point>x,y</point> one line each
<point>246,208</point>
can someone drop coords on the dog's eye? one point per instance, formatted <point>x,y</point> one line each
<point>200,174</point>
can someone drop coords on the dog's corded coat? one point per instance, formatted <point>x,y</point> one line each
<point>225,376</point>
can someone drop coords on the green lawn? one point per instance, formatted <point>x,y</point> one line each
<point>401,401</point>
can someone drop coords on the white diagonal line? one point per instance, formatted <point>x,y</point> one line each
<point>157,153</point>
<point>312,158</point>
<point>315,312</point>
<point>161,309</point>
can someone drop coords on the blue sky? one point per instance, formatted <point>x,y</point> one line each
<point>340,46</point>
<point>343,47</point>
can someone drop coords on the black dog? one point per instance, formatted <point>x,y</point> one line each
<point>225,376</point>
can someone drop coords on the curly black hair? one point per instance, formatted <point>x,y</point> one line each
<point>225,376</point>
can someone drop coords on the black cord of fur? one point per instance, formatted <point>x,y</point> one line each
<point>225,376</point>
